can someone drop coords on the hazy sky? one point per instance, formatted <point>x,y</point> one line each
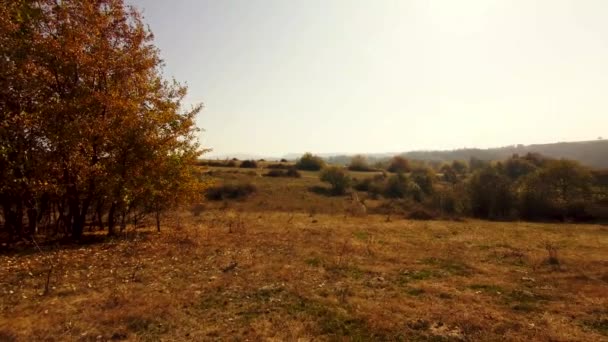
<point>279,76</point>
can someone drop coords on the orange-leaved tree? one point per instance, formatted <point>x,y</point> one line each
<point>89,128</point>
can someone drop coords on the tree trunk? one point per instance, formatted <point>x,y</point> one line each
<point>111,221</point>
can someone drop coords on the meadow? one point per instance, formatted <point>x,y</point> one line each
<point>286,263</point>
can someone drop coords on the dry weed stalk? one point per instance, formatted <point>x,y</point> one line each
<point>50,271</point>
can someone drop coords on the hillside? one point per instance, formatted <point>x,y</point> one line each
<point>592,153</point>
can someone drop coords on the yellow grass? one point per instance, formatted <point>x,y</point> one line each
<point>251,271</point>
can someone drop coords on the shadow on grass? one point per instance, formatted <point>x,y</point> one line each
<point>27,246</point>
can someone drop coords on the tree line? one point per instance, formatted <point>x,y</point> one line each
<point>90,131</point>
<point>531,187</point>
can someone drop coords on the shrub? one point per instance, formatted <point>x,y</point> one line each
<point>399,164</point>
<point>230,191</point>
<point>396,186</point>
<point>359,163</point>
<point>401,186</point>
<point>275,173</point>
<point>425,178</point>
<point>374,185</point>
<point>249,164</point>
<point>337,177</point>
<point>291,172</point>
<point>310,162</point>
<point>283,160</point>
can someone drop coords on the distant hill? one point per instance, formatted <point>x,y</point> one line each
<point>591,153</point>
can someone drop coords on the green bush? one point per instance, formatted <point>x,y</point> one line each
<point>337,177</point>
<point>310,162</point>
<point>425,178</point>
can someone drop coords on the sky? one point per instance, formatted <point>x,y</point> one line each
<point>348,76</point>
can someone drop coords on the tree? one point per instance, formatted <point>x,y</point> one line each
<point>459,167</point>
<point>490,194</point>
<point>399,164</point>
<point>516,167</point>
<point>448,174</point>
<point>310,162</point>
<point>337,177</point>
<point>476,164</point>
<point>560,189</point>
<point>87,122</point>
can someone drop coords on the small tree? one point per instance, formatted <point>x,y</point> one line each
<point>337,177</point>
<point>310,162</point>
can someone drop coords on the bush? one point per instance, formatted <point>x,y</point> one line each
<point>310,162</point>
<point>374,185</point>
<point>425,178</point>
<point>338,178</point>
<point>230,191</point>
<point>396,186</point>
<point>291,172</point>
<point>359,163</point>
<point>401,186</point>
<point>399,164</point>
<point>249,164</point>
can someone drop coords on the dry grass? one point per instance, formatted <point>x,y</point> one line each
<point>245,272</point>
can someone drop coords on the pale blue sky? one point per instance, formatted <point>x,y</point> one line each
<point>280,76</point>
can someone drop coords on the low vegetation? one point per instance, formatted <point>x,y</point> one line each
<point>284,275</point>
<point>230,191</point>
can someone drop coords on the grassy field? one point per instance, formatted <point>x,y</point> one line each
<point>286,264</point>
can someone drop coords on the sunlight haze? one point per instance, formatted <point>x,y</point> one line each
<point>280,77</point>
